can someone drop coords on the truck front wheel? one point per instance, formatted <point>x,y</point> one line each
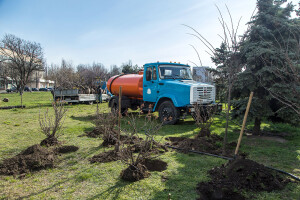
<point>168,113</point>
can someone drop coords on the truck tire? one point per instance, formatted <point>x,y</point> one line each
<point>115,108</point>
<point>168,113</point>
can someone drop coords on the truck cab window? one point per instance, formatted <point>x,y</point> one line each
<point>175,72</point>
<point>149,74</point>
<point>154,74</point>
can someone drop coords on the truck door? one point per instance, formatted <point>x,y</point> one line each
<point>150,83</point>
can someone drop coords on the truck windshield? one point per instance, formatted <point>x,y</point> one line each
<point>174,72</point>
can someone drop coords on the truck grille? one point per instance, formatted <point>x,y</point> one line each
<point>202,95</point>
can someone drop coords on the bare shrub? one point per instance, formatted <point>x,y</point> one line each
<point>204,117</point>
<point>134,151</point>
<point>107,127</point>
<point>52,126</point>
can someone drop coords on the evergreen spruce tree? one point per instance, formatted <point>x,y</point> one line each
<point>272,35</point>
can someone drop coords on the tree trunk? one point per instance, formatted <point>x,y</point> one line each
<point>21,93</point>
<point>227,120</point>
<point>256,128</point>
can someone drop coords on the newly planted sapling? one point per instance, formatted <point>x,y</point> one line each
<point>52,126</point>
<point>138,150</point>
<point>204,117</point>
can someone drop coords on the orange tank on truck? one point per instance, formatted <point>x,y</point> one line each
<point>132,85</point>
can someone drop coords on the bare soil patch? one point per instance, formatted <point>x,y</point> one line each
<point>107,156</point>
<point>33,158</point>
<point>155,165</point>
<point>134,145</point>
<point>111,140</point>
<point>239,174</point>
<point>93,134</point>
<point>211,144</point>
<point>67,149</point>
<point>135,173</point>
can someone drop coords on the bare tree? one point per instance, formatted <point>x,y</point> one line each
<point>227,58</point>
<point>114,70</point>
<point>64,75</point>
<point>23,58</point>
<point>88,74</point>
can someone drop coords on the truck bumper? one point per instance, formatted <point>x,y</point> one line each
<point>216,107</point>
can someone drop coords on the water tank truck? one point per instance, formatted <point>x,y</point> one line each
<point>164,87</point>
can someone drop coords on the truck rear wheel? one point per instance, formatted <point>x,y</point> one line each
<point>115,108</point>
<point>168,113</point>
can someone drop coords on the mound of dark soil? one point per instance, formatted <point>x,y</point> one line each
<point>212,144</point>
<point>110,140</point>
<point>149,146</point>
<point>155,165</point>
<point>135,173</point>
<point>239,174</point>
<point>32,159</point>
<point>49,141</point>
<point>5,100</point>
<point>105,157</point>
<point>93,134</point>
<point>67,149</point>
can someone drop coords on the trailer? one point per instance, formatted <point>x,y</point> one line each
<point>76,96</point>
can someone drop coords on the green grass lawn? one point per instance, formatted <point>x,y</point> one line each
<point>75,178</point>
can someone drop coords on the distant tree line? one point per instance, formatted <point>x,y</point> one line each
<point>83,76</point>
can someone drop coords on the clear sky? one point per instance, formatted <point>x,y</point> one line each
<point>114,31</point>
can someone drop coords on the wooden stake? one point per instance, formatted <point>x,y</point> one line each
<point>244,124</point>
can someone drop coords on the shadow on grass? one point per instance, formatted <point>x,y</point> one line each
<point>58,183</point>
<point>42,105</point>
<point>86,118</point>
<point>112,192</point>
<point>46,189</point>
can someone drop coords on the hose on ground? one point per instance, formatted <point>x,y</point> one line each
<point>199,152</point>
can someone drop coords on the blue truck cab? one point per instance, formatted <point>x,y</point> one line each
<point>169,89</point>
